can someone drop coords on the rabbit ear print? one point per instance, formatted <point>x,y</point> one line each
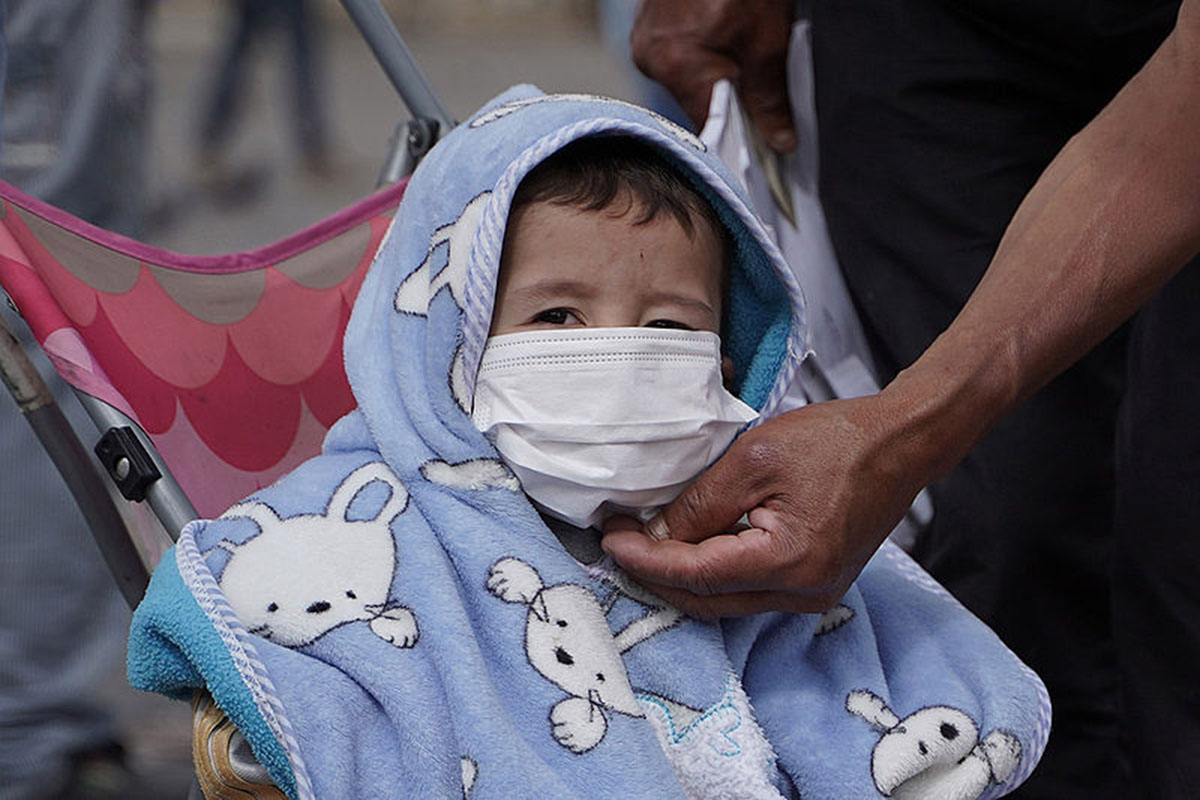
<point>833,619</point>
<point>470,774</point>
<point>417,291</point>
<point>1003,753</point>
<point>260,514</point>
<point>934,752</point>
<point>871,707</point>
<point>345,495</point>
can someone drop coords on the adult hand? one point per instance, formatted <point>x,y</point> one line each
<point>823,486</point>
<point>688,45</point>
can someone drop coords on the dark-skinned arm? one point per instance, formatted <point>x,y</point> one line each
<point>1113,217</point>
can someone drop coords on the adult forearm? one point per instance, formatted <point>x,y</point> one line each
<point>1112,218</point>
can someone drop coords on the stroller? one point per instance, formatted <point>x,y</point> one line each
<point>254,350</point>
<point>207,377</point>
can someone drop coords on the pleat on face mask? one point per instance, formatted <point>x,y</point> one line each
<point>601,420</point>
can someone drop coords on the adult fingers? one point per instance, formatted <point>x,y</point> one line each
<point>745,561</point>
<point>689,70</point>
<point>688,46</point>
<point>738,482</point>
<point>738,604</point>
<point>685,46</point>
<point>762,82</point>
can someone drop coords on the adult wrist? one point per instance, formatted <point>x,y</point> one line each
<point>944,403</point>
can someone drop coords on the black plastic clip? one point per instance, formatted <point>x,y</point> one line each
<point>422,136</point>
<point>127,462</point>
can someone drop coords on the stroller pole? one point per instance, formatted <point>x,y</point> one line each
<point>412,138</point>
<point>397,62</point>
<point>37,404</point>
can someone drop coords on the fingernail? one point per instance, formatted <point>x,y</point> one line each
<point>657,529</point>
<point>783,141</point>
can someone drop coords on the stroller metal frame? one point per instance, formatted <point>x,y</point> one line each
<point>128,457</point>
<point>134,467</point>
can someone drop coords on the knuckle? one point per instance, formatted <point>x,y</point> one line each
<point>678,60</point>
<point>704,579</point>
<point>757,467</point>
<point>657,55</point>
<point>692,505</point>
<point>817,580</point>
<point>643,52</point>
<point>758,455</point>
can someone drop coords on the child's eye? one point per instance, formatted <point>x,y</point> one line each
<point>554,316</point>
<point>668,323</point>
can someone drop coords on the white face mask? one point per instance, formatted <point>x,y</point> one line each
<point>601,420</point>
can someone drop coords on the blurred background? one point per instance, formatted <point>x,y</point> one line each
<point>198,144</point>
<point>470,51</point>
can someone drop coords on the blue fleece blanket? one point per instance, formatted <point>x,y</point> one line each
<point>394,619</point>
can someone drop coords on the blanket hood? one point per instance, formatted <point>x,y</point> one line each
<point>434,278</point>
<point>393,617</point>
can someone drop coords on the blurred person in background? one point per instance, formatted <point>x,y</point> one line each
<point>74,128</point>
<point>252,22</point>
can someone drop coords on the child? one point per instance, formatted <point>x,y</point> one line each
<point>602,235</point>
<point>395,617</point>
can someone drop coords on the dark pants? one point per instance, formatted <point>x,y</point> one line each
<point>254,21</point>
<point>1156,586</point>
<point>935,119</point>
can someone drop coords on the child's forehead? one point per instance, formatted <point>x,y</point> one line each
<point>621,174</point>
<point>624,223</point>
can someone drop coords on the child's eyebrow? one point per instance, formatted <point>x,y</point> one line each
<point>553,287</point>
<point>671,298</point>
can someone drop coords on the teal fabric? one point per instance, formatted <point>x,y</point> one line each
<point>174,649</point>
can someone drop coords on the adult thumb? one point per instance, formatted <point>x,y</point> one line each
<point>712,505</point>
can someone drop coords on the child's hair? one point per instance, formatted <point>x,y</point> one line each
<point>593,173</point>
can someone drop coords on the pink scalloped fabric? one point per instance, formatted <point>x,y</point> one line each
<point>232,364</point>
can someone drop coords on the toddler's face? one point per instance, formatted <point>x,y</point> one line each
<point>565,267</point>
